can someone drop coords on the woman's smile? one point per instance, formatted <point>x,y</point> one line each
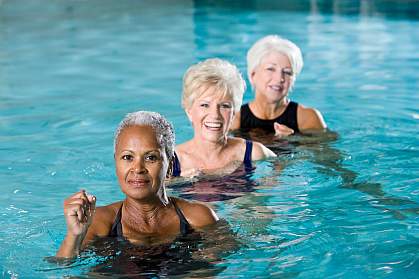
<point>138,182</point>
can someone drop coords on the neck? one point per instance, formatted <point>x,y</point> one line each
<point>142,216</point>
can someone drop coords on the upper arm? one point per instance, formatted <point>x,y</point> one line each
<point>198,214</point>
<point>236,122</point>
<point>310,119</point>
<point>260,151</point>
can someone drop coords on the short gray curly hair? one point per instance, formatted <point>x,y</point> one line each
<point>164,129</point>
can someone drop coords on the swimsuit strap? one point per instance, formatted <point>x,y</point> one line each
<point>247,161</point>
<point>185,227</point>
<point>116,229</point>
<point>176,166</point>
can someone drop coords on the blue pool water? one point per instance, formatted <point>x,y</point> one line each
<point>341,205</point>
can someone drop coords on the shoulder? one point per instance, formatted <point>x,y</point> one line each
<point>260,151</point>
<point>309,118</point>
<point>198,214</point>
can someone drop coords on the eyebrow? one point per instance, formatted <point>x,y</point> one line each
<point>274,64</point>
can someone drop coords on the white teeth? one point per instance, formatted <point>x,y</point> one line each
<point>274,87</point>
<point>213,125</point>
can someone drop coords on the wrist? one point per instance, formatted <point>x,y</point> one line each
<point>71,246</point>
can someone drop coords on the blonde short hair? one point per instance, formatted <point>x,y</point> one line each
<point>215,73</point>
<point>271,43</point>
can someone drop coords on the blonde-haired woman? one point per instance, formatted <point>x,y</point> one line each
<point>273,64</point>
<point>212,95</point>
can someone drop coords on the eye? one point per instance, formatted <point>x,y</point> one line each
<point>270,69</point>
<point>204,105</point>
<point>226,106</point>
<point>127,157</point>
<point>287,72</point>
<point>152,158</point>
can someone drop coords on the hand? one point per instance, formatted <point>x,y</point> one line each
<point>78,212</point>
<point>282,130</point>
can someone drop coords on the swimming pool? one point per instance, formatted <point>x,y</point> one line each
<point>327,207</point>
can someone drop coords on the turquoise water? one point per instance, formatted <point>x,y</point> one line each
<point>341,205</point>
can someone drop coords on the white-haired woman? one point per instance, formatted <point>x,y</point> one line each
<point>143,146</point>
<point>212,94</point>
<point>273,64</point>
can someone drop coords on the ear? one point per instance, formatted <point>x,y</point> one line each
<point>251,77</point>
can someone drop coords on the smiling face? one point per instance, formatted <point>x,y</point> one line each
<point>272,78</point>
<point>141,163</point>
<point>211,115</point>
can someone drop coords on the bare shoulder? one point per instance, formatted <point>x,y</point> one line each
<point>236,121</point>
<point>310,118</point>
<point>198,214</point>
<point>260,151</point>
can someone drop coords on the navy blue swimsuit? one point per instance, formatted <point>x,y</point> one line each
<point>247,161</point>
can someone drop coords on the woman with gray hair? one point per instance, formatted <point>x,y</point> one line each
<point>212,95</point>
<point>143,151</point>
<point>273,64</point>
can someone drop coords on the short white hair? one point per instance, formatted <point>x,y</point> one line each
<point>213,73</point>
<point>164,130</point>
<point>274,43</point>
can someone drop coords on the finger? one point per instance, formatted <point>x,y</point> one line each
<point>91,198</point>
<point>284,129</point>
<point>281,126</point>
<point>76,211</point>
<point>92,204</point>
<point>79,202</point>
<point>78,194</point>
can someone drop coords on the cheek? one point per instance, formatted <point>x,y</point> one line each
<point>120,170</point>
<point>228,114</point>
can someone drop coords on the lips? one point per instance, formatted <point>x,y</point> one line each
<point>276,87</point>
<point>213,125</point>
<point>138,182</point>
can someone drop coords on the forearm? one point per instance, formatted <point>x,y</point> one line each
<point>70,247</point>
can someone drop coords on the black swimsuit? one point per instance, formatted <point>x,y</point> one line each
<point>185,227</point>
<point>288,118</point>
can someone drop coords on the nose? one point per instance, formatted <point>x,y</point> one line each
<point>139,167</point>
<point>215,110</point>
<point>281,76</point>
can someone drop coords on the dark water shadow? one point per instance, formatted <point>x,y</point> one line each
<point>199,254</point>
